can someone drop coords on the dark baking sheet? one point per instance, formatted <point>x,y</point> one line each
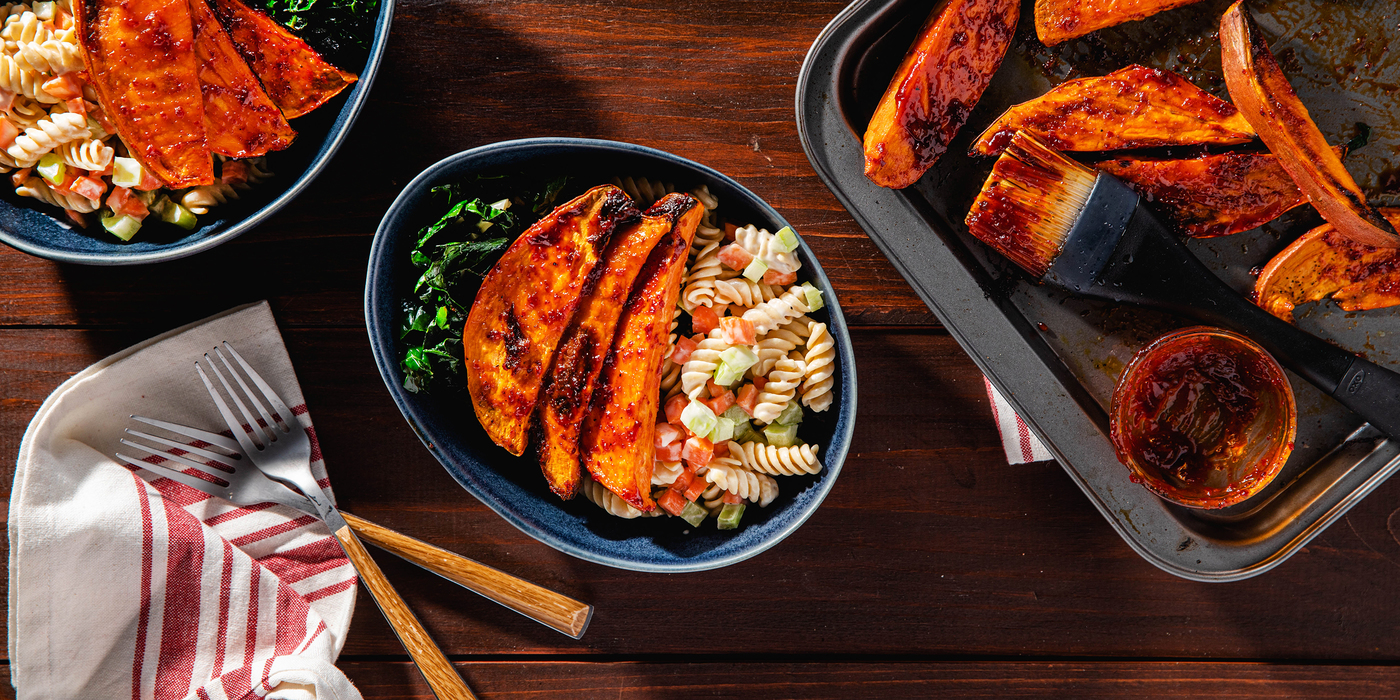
<point>1056,357</point>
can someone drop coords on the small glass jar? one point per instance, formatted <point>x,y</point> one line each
<point>1203,417</point>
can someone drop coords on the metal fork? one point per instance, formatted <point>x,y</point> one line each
<point>280,457</point>
<point>554,610</point>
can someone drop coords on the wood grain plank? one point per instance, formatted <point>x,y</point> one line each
<point>709,82</point>
<point>928,545</point>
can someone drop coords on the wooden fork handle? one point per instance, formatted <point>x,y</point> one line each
<point>436,669</point>
<point>540,604</point>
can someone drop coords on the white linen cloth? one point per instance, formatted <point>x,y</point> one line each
<point>1020,443</point>
<point>126,585</point>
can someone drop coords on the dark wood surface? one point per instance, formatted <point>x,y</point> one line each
<point>933,568</point>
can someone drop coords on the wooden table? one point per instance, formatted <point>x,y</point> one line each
<point>932,569</point>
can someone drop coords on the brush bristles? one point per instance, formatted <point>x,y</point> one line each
<point>1030,203</point>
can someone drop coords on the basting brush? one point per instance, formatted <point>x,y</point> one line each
<point>1087,232</point>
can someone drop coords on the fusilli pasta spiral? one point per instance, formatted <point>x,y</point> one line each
<point>742,291</point>
<point>644,191</point>
<point>46,135</point>
<point>772,347</point>
<point>23,80</point>
<point>609,501</point>
<point>700,281</point>
<point>38,189</point>
<point>664,473</point>
<point>52,56</point>
<point>776,312</point>
<point>199,200</point>
<point>749,485</point>
<point>779,461</point>
<point>88,154</point>
<point>820,360</point>
<point>700,366</point>
<point>781,387</point>
<point>760,244</point>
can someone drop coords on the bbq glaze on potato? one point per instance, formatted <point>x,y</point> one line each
<point>525,304</point>
<point>1060,20</point>
<point>1324,263</point>
<point>931,95</point>
<point>141,60</point>
<point>618,438</point>
<point>1257,84</point>
<point>296,77</point>
<point>585,347</point>
<point>1212,195</point>
<point>240,119</point>
<point>1136,107</point>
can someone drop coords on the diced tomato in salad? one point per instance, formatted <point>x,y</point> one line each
<point>760,382</point>
<point>715,389</point>
<point>732,498</point>
<point>721,403</point>
<point>69,176</point>
<point>684,346</point>
<point>697,486</point>
<point>748,398</point>
<point>18,177</point>
<point>7,100</point>
<point>674,406</point>
<point>667,434</point>
<point>78,105</point>
<point>234,172</point>
<point>783,278</point>
<point>672,502</point>
<point>703,320</point>
<point>722,449</point>
<point>148,181</point>
<point>65,87</point>
<point>123,202</point>
<point>737,257</point>
<point>698,452</point>
<point>671,452</point>
<point>737,331</point>
<point>730,231</point>
<point>91,187</point>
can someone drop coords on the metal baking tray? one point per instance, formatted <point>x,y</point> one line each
<point>1056,357</point>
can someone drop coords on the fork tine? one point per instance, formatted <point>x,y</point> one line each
<point>193,482</point>
<point>252,397</point>
<point>234,425</point>
<point>214,439</point>
<point>264,437</point>
<point>278,405</point>
<point>204,468</point>
<point>207,454</point>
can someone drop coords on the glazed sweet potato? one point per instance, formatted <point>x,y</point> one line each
<point>141,60</point>
<point>1257,84</point>
<point>1059,20</point>
<point>240,119</point>
<point>525,304</point>
<point>1324,263</point>
<point>933,92</point>
<point>1213,195</point>
<point>1136,107</point>
<point>618,438</point>
<point>581,354</point>
<point>296,77</point>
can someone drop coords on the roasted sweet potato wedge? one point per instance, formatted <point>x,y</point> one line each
<point>141,60</point>
<point>618,438</point>
<point>933,92</point>
<point>1324,263</point>
<point>525,304</point>
<point>240,120</point>
<point>1265,98</point>
<point>1213,195</point>
<point>585,346</point>
<point>296,77</point>
<point>1059,20</point>
<point>1136,107</point>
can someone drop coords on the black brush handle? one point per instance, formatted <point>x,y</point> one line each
<point>1150,266</point>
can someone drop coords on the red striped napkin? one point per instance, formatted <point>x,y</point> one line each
<point>124,585</point>
<point>1020,444</point>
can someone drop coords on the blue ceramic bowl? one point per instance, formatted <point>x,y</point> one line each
<point>513,486</point>
<point>42,230</point>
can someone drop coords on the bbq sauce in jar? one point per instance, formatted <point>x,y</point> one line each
<point>1203,417</point>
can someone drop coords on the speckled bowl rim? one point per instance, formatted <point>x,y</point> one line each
<point>386,358</point>
<point>181,249</point>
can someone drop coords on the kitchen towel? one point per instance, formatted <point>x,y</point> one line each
<point>1020,443</point>
<point>127,585</point>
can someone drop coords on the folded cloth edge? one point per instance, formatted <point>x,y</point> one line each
<point>1020,444</point>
